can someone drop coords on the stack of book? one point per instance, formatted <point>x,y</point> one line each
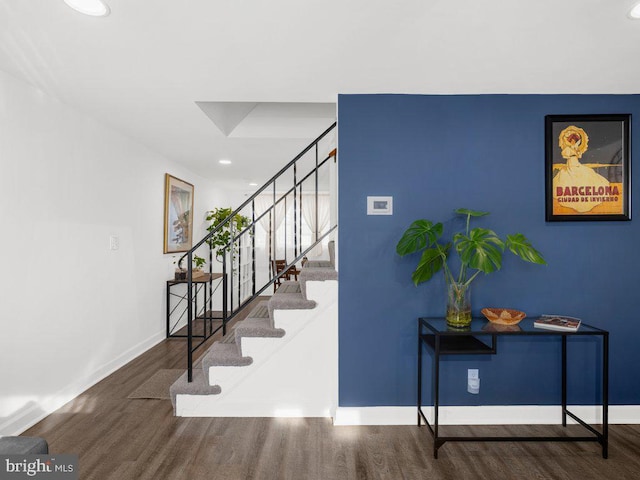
<point>558,322</point>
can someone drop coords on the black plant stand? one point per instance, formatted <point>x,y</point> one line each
<point>200,284</point>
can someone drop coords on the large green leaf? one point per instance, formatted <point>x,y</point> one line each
<point>520,246</point>
<point>473,213</point>
<point>481,250</point>
<point>430,264</point>
<point>420,234</point>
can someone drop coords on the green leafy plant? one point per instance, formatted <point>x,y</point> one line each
<point>479,249</point>
<point>197,262</point>
<point>220,240</point>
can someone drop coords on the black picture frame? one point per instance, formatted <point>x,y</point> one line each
<point>588,167</point>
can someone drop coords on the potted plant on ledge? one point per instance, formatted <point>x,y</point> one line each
<point>181,272</point>
<point>479,250</point>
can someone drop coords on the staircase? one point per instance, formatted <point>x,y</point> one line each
<point>281,360</point>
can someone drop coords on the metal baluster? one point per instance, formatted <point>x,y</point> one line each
<point>239,267</point>
<point>189,318</point>
<point>301,217</point>
<point>253,247</point>
<point>232,265</point>
<point>316,175</point>
<point>295,213</point>
<point>285,229</point>
<point>210,306</point>
<point>270,238</point>
<point>272,224</point>
<point>225,292</point>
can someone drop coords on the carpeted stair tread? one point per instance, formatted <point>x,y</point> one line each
<point>289,301</point>
<point>331,263</point>
<point>290,286</point>
<point>315,274</point>
<point>318,264</point>
<point>257,327</point>
<point>261,311</point>
<point>224,354</point>
<point>199,386</point>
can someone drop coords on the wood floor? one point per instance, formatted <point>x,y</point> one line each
<point>120,439</point>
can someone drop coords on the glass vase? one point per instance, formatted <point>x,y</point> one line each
<point>458,305</point>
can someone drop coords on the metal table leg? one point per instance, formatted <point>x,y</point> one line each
<point>605,395</point>
<point>564,380</point>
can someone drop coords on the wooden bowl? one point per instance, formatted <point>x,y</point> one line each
<point>503,316</point>
<point>497,327</point>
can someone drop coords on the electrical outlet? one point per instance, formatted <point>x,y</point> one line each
<point>473,381</point>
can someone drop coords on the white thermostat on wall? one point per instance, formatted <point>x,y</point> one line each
<point>379,205</point>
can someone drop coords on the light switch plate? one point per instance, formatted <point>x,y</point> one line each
<point>379,205</point>
<point>114,242</point>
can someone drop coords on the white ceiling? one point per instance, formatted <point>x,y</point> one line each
<point>143,69</point>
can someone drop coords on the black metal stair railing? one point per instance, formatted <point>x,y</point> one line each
<point>239,263</point>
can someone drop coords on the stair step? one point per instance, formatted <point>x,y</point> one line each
<point>290,286</point>
<point>257,327</point>
<point>289,297</point>
<point>224,355</point>
<point>199,386</point>
<point>261,311</point>
<point>318,264</point>
<point>315,274</point>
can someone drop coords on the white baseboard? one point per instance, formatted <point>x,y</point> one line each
<point>45,406</point>
<point>484,415</point>
<point>375,416</point>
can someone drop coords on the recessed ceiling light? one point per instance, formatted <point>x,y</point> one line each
<point>253,184</point>
<point>224,162</point>
<point>95,8</point>
<point>634,13</point>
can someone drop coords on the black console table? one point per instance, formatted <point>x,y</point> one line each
<point>200,283</point>
<point>441,340</point>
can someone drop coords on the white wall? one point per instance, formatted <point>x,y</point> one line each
<point>71,310</point>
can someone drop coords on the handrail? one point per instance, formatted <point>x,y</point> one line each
<point>232,268</point>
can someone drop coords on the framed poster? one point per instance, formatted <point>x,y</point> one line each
<point>587,167</point>
<point>178,215</point>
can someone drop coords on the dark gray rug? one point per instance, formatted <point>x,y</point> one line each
<point>158,385</point>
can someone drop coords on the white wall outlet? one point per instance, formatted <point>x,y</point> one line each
<point>473,381</point>
<point>114,242</point>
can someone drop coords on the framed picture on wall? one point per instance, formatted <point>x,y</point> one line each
<point>178,215</point>
<point>587,167</point>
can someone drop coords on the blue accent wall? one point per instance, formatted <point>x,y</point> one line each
<point>434,154</point>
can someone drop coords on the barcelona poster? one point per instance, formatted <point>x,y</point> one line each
<point>587,167</point>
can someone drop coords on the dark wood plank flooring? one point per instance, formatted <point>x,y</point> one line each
<point>119,439</point>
